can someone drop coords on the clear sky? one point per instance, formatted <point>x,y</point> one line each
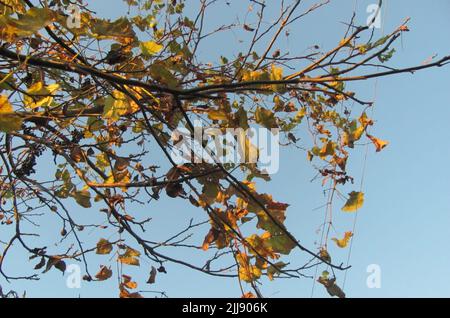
<point>404,224</point>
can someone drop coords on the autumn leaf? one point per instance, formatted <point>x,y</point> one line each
<point>265,118</point>
<point>130,257</point>
<point>103,247</point>
<point>55,261</point>
<point>128,283</point>
<point>342,243</point>
<point>124,293</point>
<point>325,255</point>
<point>247,271</point>
<point>39,95</point>
<point>379,144</point>
<point>40,264</point>
<point>118,105</point>
<point>354,202</point>
<point>331,287</point>
<point>83,198</point>
<point>281,243</point>
<point>248,28</point>
<point>150,48</point>
<point>120,30</point>
<point>260,245</point>
<point>274,269</point>
<point>152,277</point>
<point>9,121</point>
<point>104,273</point>
<point>210,238</point>
<point>217,115</point>
<point>27,24</point>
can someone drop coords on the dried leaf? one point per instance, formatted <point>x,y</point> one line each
<point>152,277</point>
<point>103,247</point>
<point>104,273</point>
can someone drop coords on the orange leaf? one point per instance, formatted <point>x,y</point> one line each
<point>104,273</point>
<point>379,144</point>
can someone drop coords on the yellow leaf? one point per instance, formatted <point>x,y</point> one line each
<point>260,246</point>
<point>217,115</point>
<point>39,95</point>
<point>5,106</point>
<point>276,74</point>
<point>342,243</point>
<point>328,149</point>
<point>118,105</point>
<point>150,48</point>
<point>354,202</point>
<point>9,121</point>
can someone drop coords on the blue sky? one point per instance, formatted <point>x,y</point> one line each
<point>403,226</point>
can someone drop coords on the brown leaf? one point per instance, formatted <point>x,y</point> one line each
<point>61,265</point>
<point>127,282</point>
<point>103,247</point>
<point>210,238</point>
<point>104,273</point>
<point>152,278</point>
<point>40,264</point>
<point>248,28</point>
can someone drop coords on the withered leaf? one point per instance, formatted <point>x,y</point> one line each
<point>104,273</point>
<point>152,277</point>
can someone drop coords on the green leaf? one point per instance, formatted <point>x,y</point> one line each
<point>281,243</point>
<point>354,202</point>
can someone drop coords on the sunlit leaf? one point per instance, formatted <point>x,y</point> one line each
<point>379,144</point>
<point>9,121</point>
<point>354,202</point>
<point>343,242</point>
<point>150,48</point>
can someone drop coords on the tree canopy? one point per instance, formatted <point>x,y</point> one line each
<point>98,105</point>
